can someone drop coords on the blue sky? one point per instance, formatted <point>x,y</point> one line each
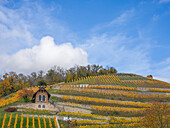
<point>131,35</point>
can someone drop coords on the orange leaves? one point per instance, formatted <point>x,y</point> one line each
<point>158,90</point>
<point>157,116</point>
<point>26,93</point>
<point>5,87</point>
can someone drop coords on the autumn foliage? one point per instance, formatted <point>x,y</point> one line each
<point>157,116</point>
<point>10,84</point>
<point>26,94</point>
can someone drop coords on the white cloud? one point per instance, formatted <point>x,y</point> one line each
<point>164,1</point>
<point>22,26</point>
<point>122,19</point>
<point>14,32</point>
<point>44,56</point>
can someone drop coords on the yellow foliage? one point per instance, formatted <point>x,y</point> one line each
<point>99,100</point>
<point>39,123</point>
<point>3,124</point>
<point>27,121</point>
<point>129,94</point>
<point>15,97</point>
<point>9,123</point>
<point>16,117</point>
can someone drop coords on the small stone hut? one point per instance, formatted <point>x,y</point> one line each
<point>41,97</point>
<point>149,76</point>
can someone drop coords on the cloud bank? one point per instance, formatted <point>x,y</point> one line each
<point>44,56</point>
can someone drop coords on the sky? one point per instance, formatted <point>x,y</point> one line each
<point>133,36</point>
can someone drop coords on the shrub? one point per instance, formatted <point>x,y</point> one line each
<point>26,94</point>
<point>9,109</point>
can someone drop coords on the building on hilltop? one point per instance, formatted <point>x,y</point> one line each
<point>149,76</point>
<point>41,97</point>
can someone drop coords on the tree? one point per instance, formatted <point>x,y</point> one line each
<point>157,116</point>
<point>95,69</point>
<point>42,83</point>
<point>50,76</point>
<point>5,87</point>
<point>26,94</point>
<point>34,78</point>
<point>112,70</point>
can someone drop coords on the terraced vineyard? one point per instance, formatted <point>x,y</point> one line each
<point>114,101</point>
<point>135,81</point>
<point>107,101</point>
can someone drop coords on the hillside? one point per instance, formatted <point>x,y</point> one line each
<point>107,101</point>
<point>123,80</point>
